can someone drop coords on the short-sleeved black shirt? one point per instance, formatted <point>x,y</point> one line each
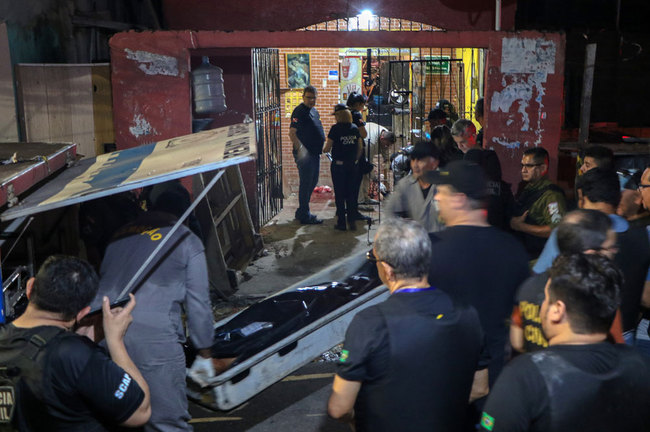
<point>309,128</point>
<point>415,355</point>
<point>579,385</point>
<point>83,389</point>
<point>345,137</point>
<point>482,267</point>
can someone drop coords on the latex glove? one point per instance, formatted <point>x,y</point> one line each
<point>201,371</point>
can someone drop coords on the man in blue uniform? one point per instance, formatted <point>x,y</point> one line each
<point>307,136</point>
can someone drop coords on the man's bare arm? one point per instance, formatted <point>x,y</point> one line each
<point>517,223</point>
<point>341,402</point>
<point>293,136</point>
<point>116,321</point>
<point>480,385</point>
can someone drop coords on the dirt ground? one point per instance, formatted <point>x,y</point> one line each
<point>293,251</point>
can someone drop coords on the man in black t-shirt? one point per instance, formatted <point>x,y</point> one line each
<point>307,136</point>
<point>474,262</point>
<point>72,384</point>
<point>578,383</point>
<point>408,363</point>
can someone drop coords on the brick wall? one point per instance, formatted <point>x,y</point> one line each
<point>321,61</point>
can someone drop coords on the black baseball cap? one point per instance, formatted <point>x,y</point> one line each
<point>339,107</point>
<point>464,176</point>
<point>423,149</point>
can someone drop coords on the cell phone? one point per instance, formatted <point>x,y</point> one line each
<point>118,303</point>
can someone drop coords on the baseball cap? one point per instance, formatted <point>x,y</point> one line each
<point>464,176</point>
<point>339,107</point>
<point>423,149</point>
<point>437,114</point>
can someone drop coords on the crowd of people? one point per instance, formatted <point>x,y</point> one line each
<point>561,297</point>
<point>506,312</point>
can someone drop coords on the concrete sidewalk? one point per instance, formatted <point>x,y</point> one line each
<point>294,251</point>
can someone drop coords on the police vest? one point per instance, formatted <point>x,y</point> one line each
<point>580,401</point>
<point>21,376</point>
<point>431,368</point>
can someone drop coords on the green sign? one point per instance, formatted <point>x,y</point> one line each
<point>439,65</point>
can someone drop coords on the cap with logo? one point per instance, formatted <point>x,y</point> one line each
<point>464,176</point>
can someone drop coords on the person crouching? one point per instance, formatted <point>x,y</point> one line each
<point>344,141</point>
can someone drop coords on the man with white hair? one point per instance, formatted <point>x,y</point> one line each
<point>407,363</point>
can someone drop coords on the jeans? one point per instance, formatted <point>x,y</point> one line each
<point>344,178</point>
<point>308,169</point>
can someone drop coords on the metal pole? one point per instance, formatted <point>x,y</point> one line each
<point>497,15</point>
<point>585,103</point>
<point>163,243</point>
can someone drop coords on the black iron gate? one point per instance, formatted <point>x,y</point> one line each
<point>415,86</point>
<point>266,88</point>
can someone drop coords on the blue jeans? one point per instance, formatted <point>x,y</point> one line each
<point>308,169</point>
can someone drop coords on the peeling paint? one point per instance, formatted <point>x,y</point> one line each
<point>525,64</point>
<point>522,55</point>
<point>142,126</point>
<point>154,64</point>
<point>503,141</point>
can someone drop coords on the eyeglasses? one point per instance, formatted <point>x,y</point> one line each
<point>642,186</point>
<point>370,256</point>
<point>529,165</point>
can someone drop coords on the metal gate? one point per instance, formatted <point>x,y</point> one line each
<point>266,89</point>
<point>416,85</point>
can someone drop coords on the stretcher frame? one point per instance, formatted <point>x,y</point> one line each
<point>245,380</point>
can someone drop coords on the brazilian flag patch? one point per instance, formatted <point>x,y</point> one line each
<point>344,355</point>
<point>487,421</point>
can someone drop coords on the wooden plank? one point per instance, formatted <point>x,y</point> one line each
<point>32,102</point>
<point>81,109</point>
<point>8,120</point>
<point>102,106</point>
<point>60,98</point>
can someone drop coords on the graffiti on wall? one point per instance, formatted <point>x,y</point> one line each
<point>525,65</point>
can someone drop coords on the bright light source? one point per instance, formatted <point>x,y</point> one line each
<point>365,18</point>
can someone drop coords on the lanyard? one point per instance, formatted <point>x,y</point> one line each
<point>411,290</point>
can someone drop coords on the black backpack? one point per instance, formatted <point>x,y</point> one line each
<point>21,375</point>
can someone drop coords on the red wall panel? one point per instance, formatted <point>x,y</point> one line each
<point>524,92</point>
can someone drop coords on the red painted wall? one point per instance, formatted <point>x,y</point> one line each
<point>524,93</point>
<point>287,15</point>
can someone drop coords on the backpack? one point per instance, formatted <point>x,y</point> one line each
<point>16,368</point>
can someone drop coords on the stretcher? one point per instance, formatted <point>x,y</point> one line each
<point>248,378</point>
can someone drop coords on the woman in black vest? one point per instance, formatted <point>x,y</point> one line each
<point>346,146</point>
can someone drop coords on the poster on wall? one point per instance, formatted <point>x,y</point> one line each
<point>298,72</point>
<point>351,73</point>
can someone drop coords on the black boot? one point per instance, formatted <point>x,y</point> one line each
<point>352,224</point>
<point>340,224</point>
